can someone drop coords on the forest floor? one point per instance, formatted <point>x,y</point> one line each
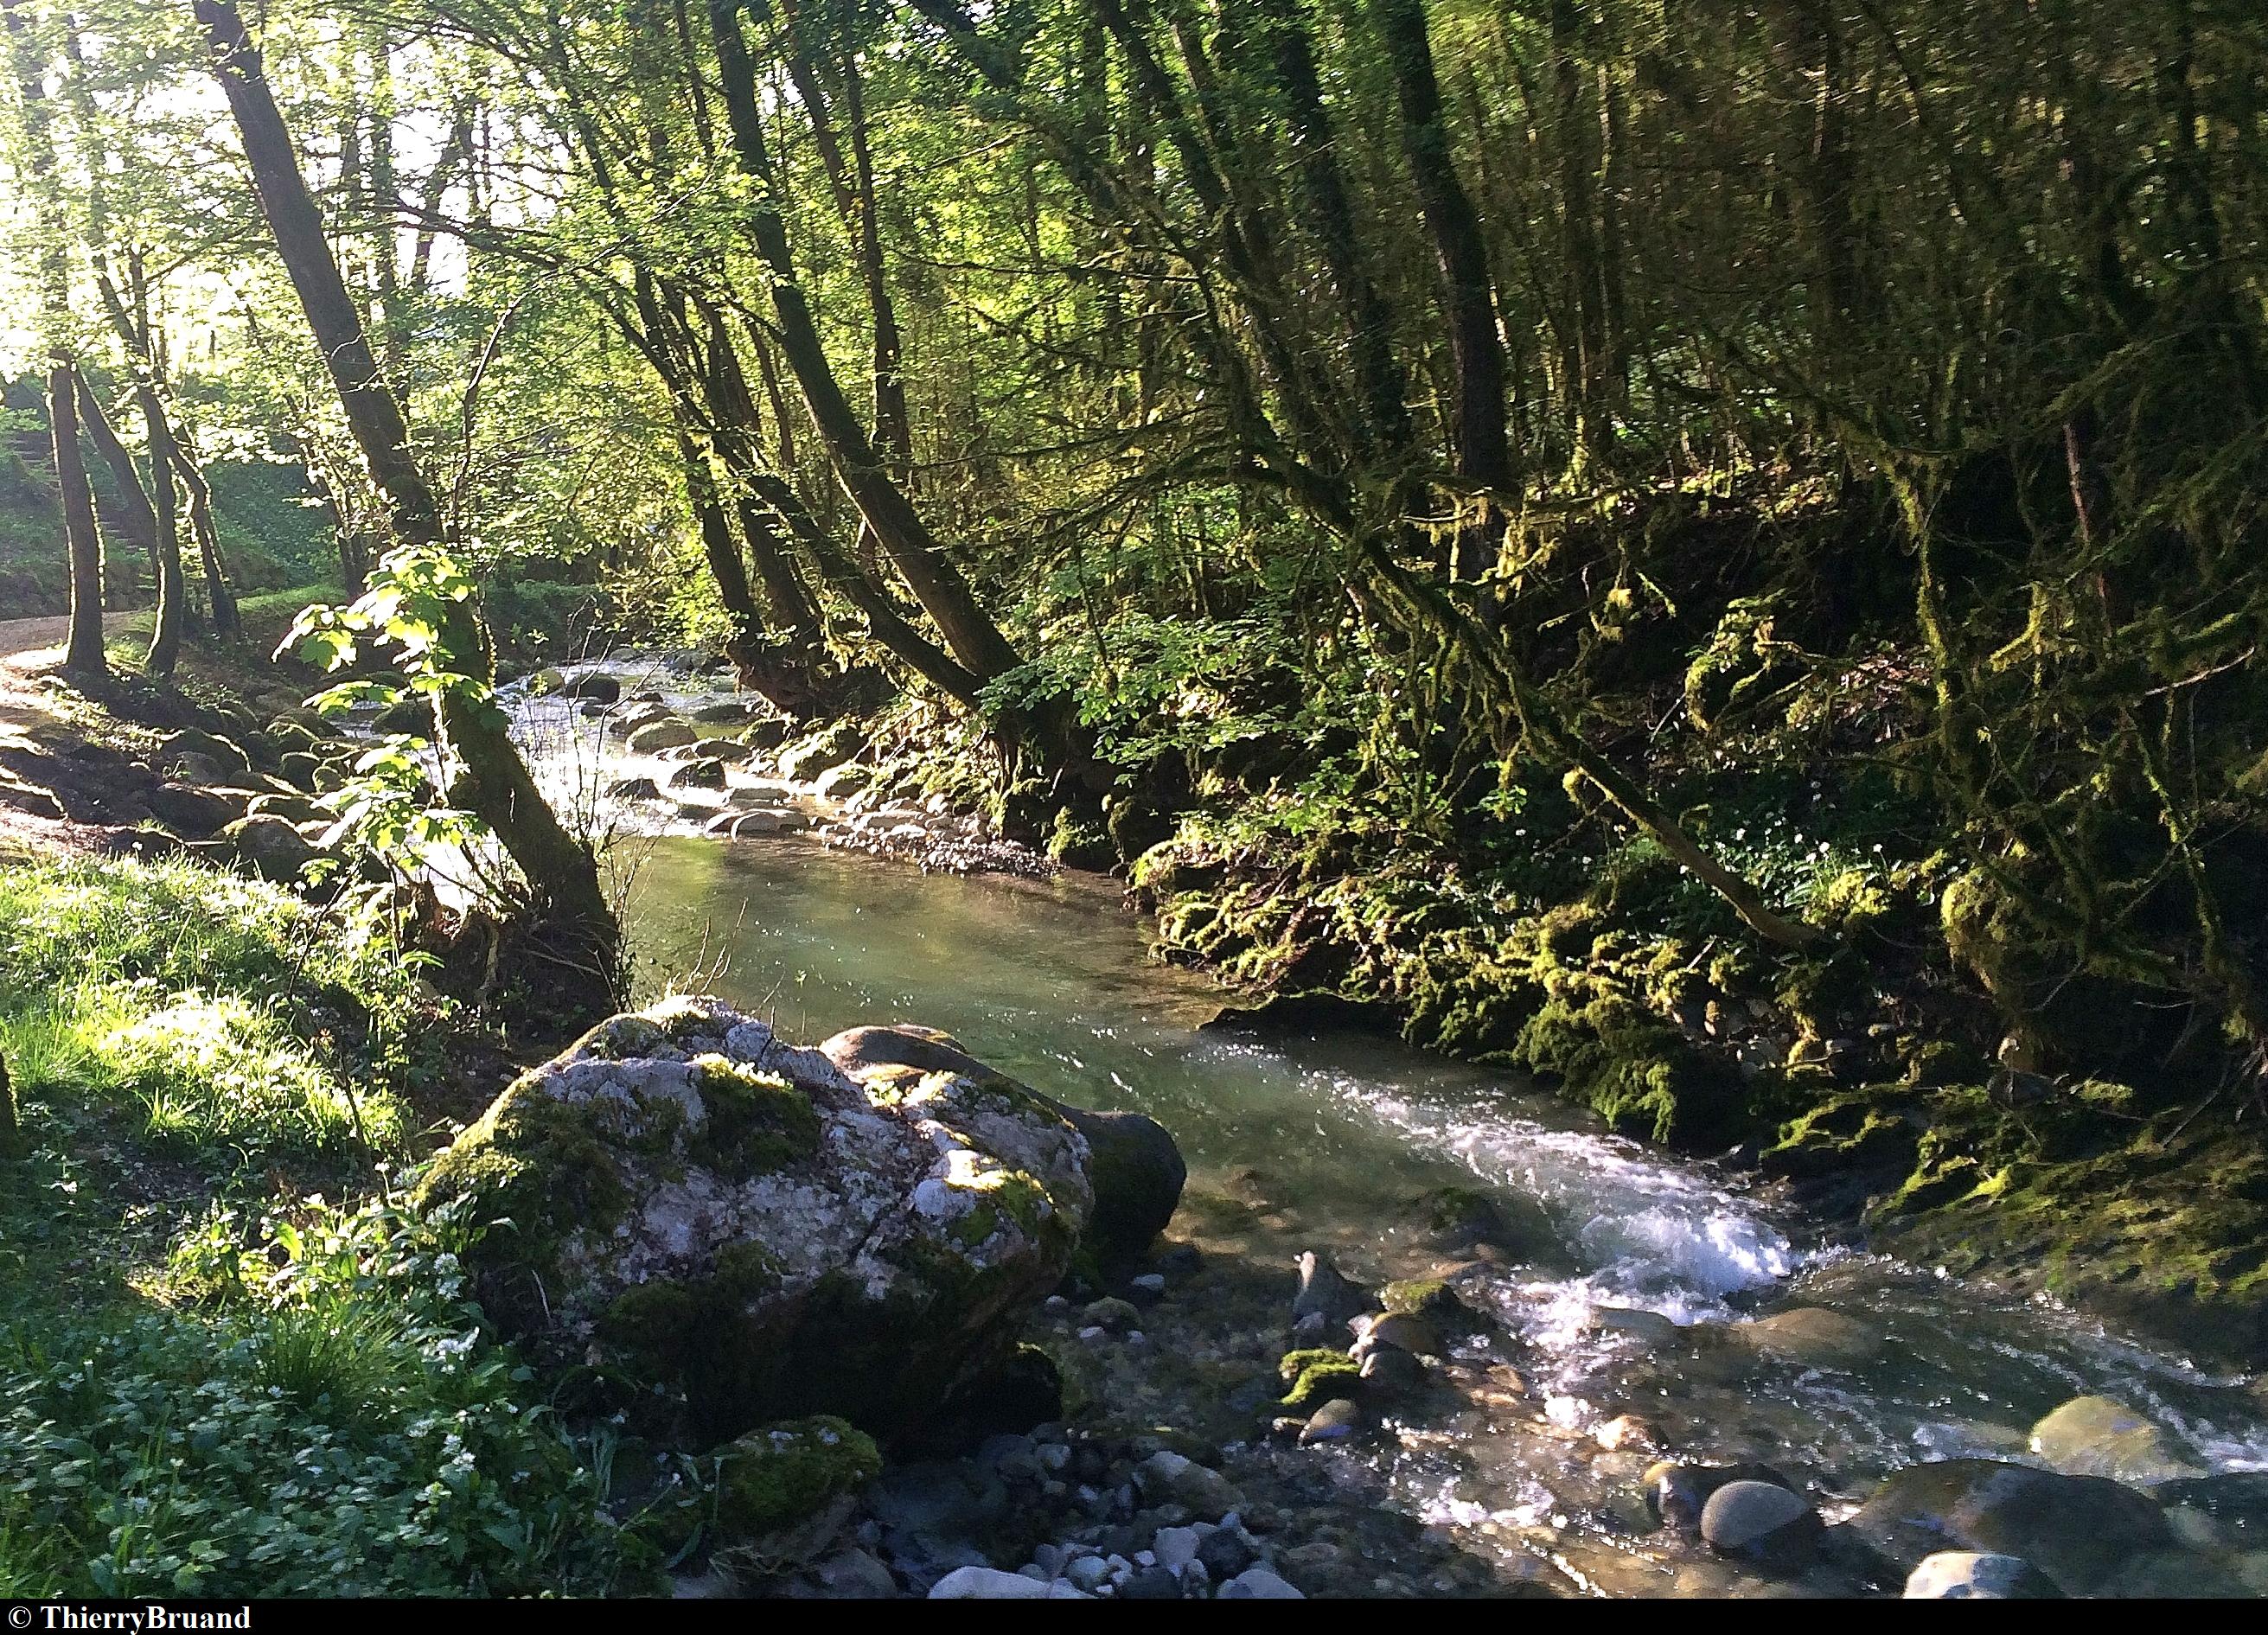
<point>198,1061</point>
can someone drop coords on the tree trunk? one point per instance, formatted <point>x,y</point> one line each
<point>83,653</point>
<point>1331,219</point>
<point>1575,134</point>
<point>140,527</point>
<point>574,929</point>
<point>1484,452</point>
<point>207,534</point>
<point>166,638</point>
<point>936,582</point>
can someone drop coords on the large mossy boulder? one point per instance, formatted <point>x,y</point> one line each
<point>1137,1172</point>
<point>725,1228</point>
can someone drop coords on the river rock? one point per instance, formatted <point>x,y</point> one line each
<point>296,810</point>
<point>1401,1332</point>
<point>1136,1171</point>
<point>840,783</point>
<point>270,847</point>
<point>729,712</point>
<point>2099,1436</point>
<point>1328,1295</point>
<point>784,1491</point>
<point>769,822</point>
<point>655,736</point>
<point>1167,1477</point>
<point>1112,1315</point>
<point>1625,1432</point>
<point>2238,1499</point>
<point>1338,1420</point>
<point>1648,1328</point>
<point>1457,1217</point>
<point>1226,1552</point>
<point>705,1215</point>
<point>1815,1337</point>
<point>992,1584</point>
<point>1978,1575</point>
<point>1761,1522</point>
<point>194,813</point>
<point>598,685</point>
<point>223,762</point>
<point>1389,1371</point>
<point>2077,1530</point>
<point>855,1575</point>
<point>1258,1584</point>
<point>1677,1494</point>
<point>730,751</point>
<point>410,714</point>
<point>829,746</point>
<point>634,789</point>
<point>702,774</point>
<point>625,723</point>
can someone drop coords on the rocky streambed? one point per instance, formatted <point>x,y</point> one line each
<point>1413,1327</point>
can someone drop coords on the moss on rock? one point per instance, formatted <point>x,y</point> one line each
<point>1316,1375</point>
<point>783,1476</point>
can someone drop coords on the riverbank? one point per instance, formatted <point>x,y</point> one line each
<point>1551,1369</point>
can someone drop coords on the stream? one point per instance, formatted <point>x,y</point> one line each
<point>1326,1142</point>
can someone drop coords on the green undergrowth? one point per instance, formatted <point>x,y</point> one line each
<point>322,1417</point>
<point>226,1367</point>
<point>210,1017</point>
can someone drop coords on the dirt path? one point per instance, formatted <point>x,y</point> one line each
<point>27,644</point>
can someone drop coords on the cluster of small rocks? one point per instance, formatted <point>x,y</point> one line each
<point>1182,1538</point>
<point>742,772</point>
<point>234,793</point>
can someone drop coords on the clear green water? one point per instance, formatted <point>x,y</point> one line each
<point>1325,1142</point>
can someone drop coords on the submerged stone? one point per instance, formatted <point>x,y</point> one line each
<point>2077,1530</point>
<point>1813,1337</point>
<point>2099,1436</point>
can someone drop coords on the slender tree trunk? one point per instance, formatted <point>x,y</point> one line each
<point>153,509</point>
<point>140,527</point>
<point>1483,451</point>
<point>207,534</point>
<point>576,928</point>
<point>166,638</point>
<point>1575,135</point>
<point>937,583</point>
<point>1331,219</point>
<point>83,654</point>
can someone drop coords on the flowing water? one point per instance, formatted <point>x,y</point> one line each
<point>1324,1142</point>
